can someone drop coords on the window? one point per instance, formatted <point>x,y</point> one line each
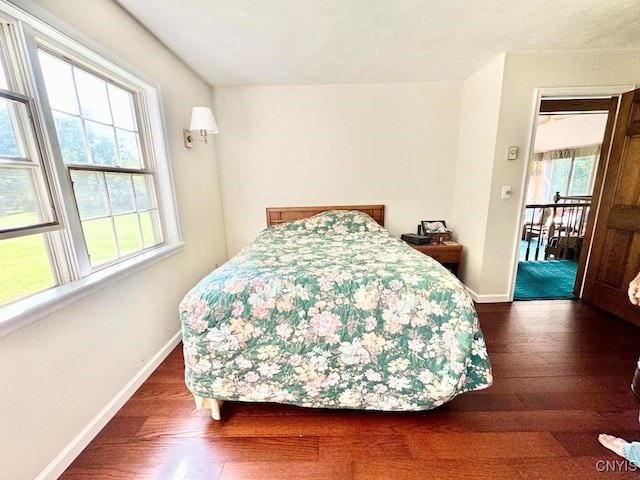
<point>85,185</point>
<point>572,176</point>
<point>99,140</point>
<point>570,171</point>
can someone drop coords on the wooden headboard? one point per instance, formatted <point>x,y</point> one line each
<point>289,214</point>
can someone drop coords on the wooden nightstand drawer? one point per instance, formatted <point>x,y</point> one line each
<point>448,254</point>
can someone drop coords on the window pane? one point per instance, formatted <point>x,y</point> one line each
<point>122,108</point>
<point>143,185</point>
<point>129,149</point>
<point>102,144</point>
<point>18,199</point>
<point>147,222</point>
<point>70,138</point>
<point>560,178</point>
<point>58,79</point>
<point>20,255</point>
<point>128,233</point>
<point>8,140</point>
<point>91,194</point>
<point>581,177</point>
<point>120,193</point>
<point>98,235</point>
<point>93,96</point>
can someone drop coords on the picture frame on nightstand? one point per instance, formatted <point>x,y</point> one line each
<point>431,226</point>
<point>435,230</point>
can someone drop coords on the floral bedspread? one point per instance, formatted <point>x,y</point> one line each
<point>332,311</point>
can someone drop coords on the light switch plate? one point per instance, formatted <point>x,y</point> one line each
<point>513,153</point>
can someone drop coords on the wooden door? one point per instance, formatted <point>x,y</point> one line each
<point>615,253</point>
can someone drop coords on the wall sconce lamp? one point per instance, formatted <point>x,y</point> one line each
<point>202,121</point>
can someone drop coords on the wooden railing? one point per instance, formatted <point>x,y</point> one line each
<point>556,229</point>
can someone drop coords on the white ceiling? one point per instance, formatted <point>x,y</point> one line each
<point>286,42</point>
<point>566,131</point>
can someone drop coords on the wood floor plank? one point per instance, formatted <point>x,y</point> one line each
<point>618,420</point>
<point>519,421</point>
<point>160,471</point>
<point>487,402</point>
<point>433,469</point>
<point>342,425</point>
<point>286,471</point>
<point>137,408</point>
<point>562,372</point>
<point>568,367</point>
<point>559,384</point>
<point>204,450</point>
<point>568,401</point>
<point>196,426</point>
<point>121,426</point>
<point>359,447</point>
<point>463,446</point>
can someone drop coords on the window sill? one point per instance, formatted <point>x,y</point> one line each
<point>28,310</point>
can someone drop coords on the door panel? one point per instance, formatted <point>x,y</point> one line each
<point>615,253</point>
<point>612,271</point>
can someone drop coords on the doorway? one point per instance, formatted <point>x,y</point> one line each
<point>563,169</point>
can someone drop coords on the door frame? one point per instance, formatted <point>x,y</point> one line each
<point>567,93</point>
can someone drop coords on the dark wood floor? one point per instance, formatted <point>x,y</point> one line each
<point>562,374</point>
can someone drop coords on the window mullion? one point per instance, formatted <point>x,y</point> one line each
<point>137,210</point>
<point>112,216</point>
<point>115,130</point>
<point>82,119</point>
<point>594,168</point>
<point>571,171</point>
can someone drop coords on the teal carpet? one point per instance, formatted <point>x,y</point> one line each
<point>545,280</point>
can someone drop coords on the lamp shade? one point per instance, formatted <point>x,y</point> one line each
<point>202,119</point>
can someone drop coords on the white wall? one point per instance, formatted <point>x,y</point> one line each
<point>394,144</point>
<point>58,373</point>
<point>478,125</point>
<point>524,74</point>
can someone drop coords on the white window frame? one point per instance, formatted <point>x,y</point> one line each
<point>27,135</point>
<point>35,26</point>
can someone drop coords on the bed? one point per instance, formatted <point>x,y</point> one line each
<point>327,309</point>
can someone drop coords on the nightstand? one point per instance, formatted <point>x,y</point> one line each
<point>448,254</point>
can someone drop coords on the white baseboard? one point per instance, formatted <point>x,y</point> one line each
<point>88,433</point>
<point>488,298</point>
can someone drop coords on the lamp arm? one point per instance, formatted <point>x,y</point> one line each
<point>189,137</point>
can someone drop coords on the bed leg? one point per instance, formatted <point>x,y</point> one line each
<point>215,409</point>
<point>211,403</point>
